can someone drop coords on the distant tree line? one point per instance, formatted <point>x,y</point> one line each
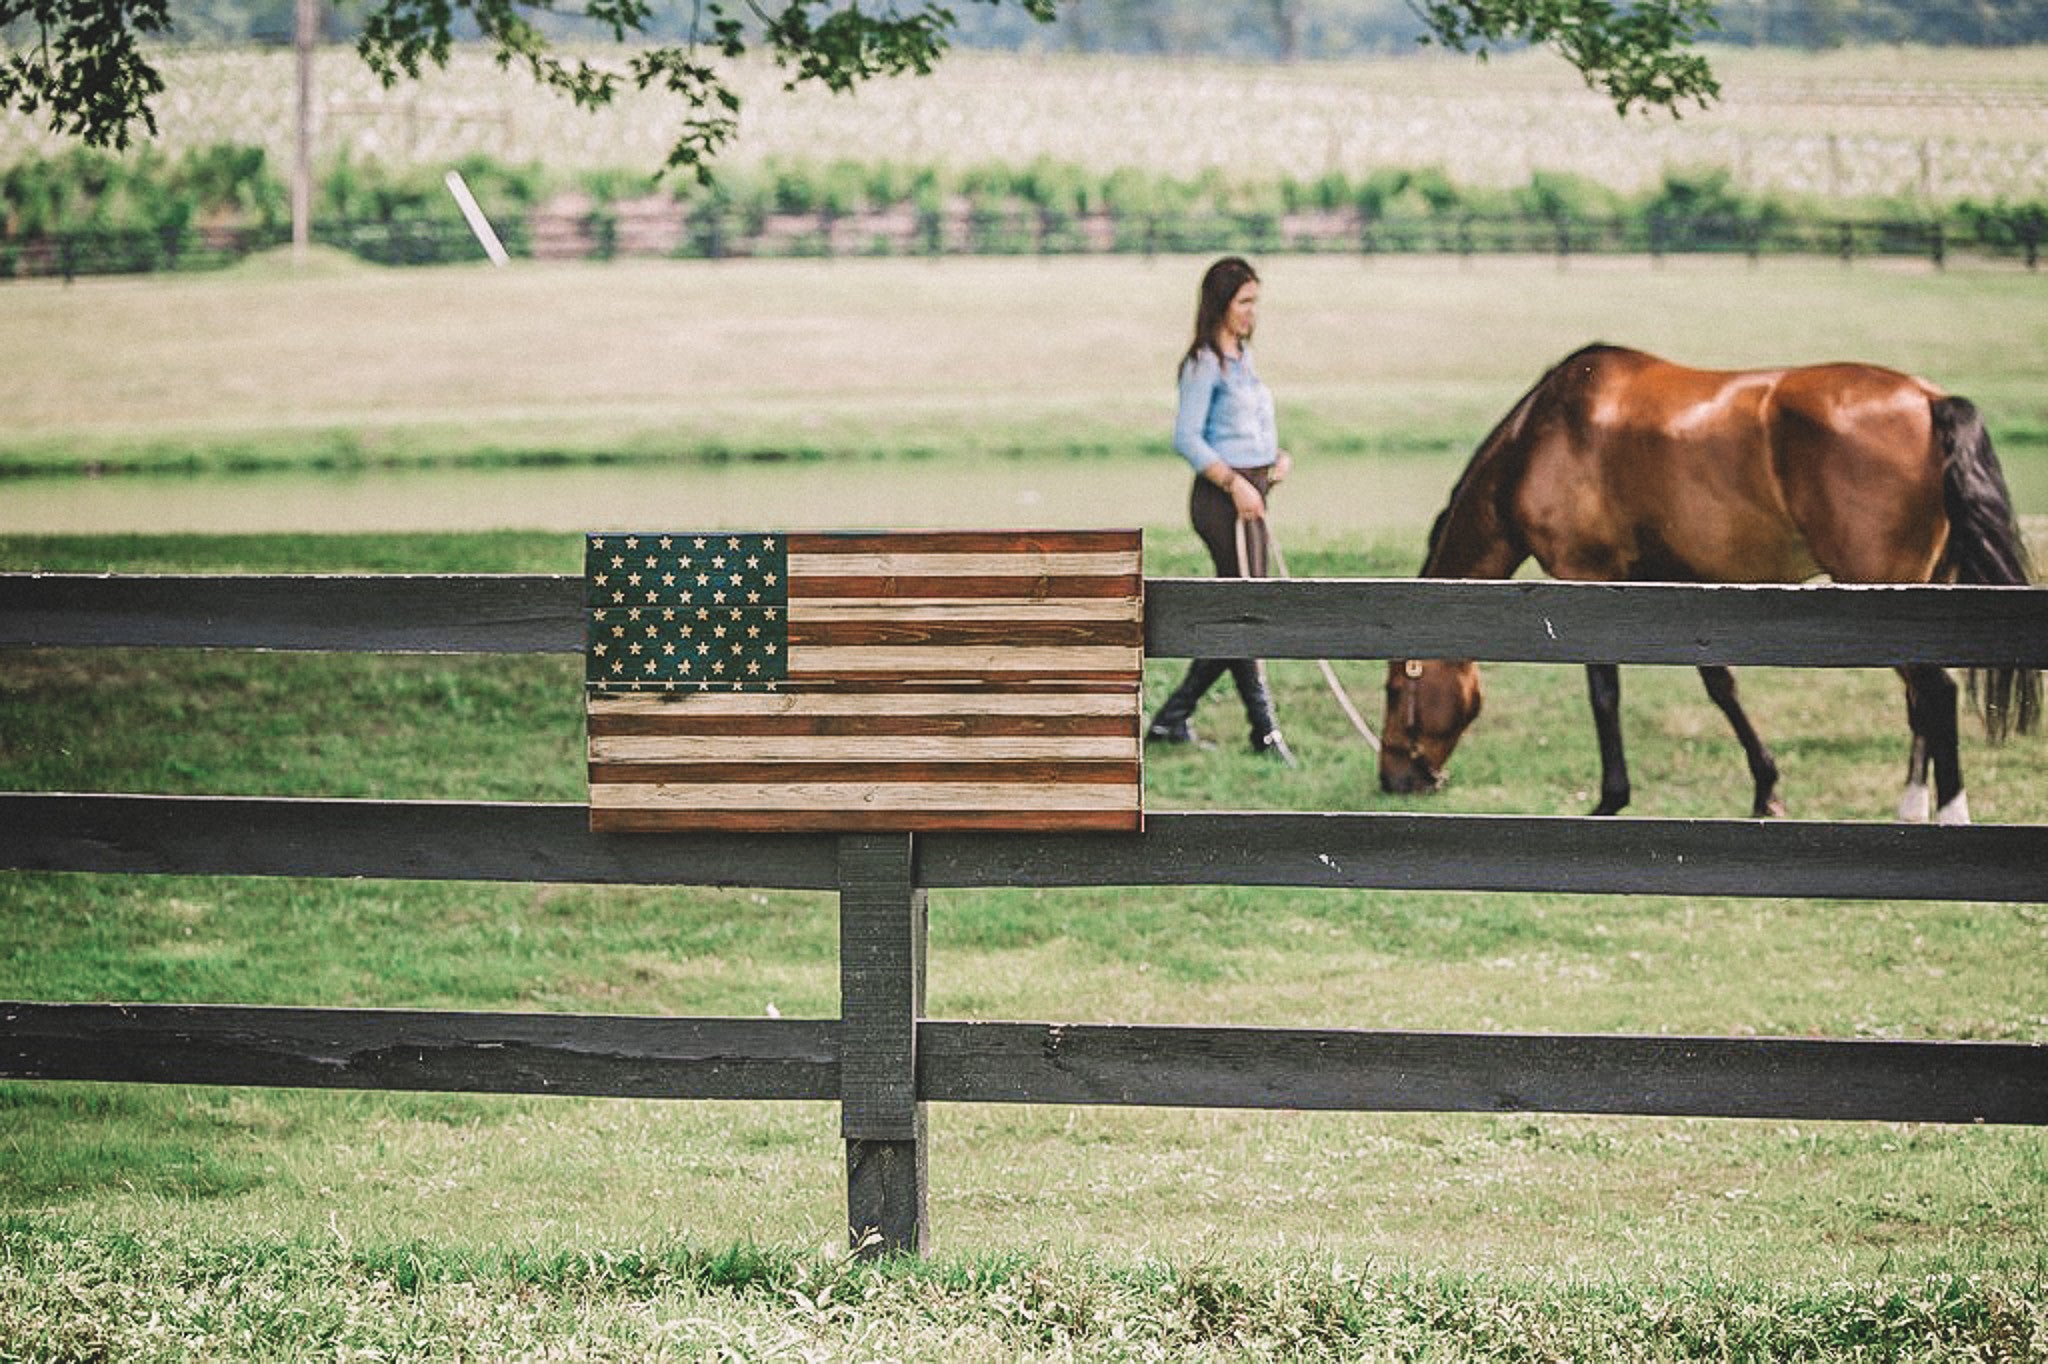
<point>1282,29</point>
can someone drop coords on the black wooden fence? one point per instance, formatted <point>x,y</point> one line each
<point>1037,232</point>
<point>882,1059</point>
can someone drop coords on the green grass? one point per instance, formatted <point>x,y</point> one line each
<point>188,1222</point>
<point>407,1300</point>
<point>719,362</point>
<point>240,1223</point>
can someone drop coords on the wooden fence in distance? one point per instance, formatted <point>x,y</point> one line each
<point>663,230</point>
<point>882,1059</point>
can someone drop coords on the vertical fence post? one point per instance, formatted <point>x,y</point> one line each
<point>881,998</point>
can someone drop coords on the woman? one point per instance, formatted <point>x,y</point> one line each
<point>1225,429</point>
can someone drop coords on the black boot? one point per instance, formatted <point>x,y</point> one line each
<point>1258,708</point>
<point>1170,725</point>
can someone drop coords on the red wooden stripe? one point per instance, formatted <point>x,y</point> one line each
<point>681,720</point>
<point>964,542</point>
<point>863,821</point>
<point>1028,771</point>
<point>967,633</point>
<point>1028,586</point>
<point>965,681</point>
<point>958,684</point>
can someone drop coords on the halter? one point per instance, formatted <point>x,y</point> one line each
<point>1411,715</point>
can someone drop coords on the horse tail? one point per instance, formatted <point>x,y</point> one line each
<point>1985,546</point>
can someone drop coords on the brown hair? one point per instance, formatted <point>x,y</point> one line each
<point>1219,285</point>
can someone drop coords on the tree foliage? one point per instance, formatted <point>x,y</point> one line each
<point>85,72</point>
<point>81,64</point>
<point>1637,54</point>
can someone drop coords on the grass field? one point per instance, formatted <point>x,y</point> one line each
<point>293,1223</point>
<point>358,366</point>
<point>170,1223</point>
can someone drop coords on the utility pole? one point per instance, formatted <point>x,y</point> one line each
<point>307,30</point>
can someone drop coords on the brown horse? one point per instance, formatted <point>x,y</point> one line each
<point>1621,467</point>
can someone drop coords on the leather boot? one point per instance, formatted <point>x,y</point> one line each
<point>1171,725</point>
<point>1258,709</point>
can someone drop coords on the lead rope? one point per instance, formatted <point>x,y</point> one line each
<point>1329,673</point>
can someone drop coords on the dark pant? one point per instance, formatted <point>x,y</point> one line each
<point>1215,518</point>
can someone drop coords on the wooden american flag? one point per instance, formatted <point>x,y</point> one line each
<point>864,681</point>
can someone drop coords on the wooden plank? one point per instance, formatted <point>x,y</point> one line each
<point>1388,851</point>
<point>709,1058</point>
<point>495,1053</point>
<point>816,556</point>
<point>439,841</point>
<point>882,917</point>
<point>1120,587</point>
<point>1530,620</point>
<point>986,742</point>
<point>888,1202</point>
<point>692,720</point>
<point>961,541</point>
<point>1063,631</point>
<point>400,840</point>
<point>1087,767</point>
<point>925,789</point>
<point>829,664</point>
<point>368,613</point>
<point>772,822</point>
<point>1890,1081</point>
<point>1540,621</point>
<point>882,924</point>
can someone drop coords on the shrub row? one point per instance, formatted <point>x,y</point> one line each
<point>232,197</point>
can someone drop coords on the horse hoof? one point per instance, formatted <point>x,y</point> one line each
<point>1774,808</point>
<point>1915,805</point>
<point>1956,811</point>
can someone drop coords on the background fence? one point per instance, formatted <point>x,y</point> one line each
<point>882,1059</point>
<point>659,228</point>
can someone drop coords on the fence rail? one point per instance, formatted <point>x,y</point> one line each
<point>883,1060</point>
<point>1037,232</point>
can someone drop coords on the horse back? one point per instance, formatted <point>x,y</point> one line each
<point>1633,467</point>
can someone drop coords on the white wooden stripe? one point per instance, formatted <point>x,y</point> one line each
<point>847,660</point>
<point>747,748</point>
<point>856,796</point>
<point>966,608</point>
<point>1116,702</point>
<point>1024,563</point>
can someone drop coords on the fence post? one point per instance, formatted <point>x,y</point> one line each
<point>881,997</point>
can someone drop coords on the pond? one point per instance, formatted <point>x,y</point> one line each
<point>1330,497</point>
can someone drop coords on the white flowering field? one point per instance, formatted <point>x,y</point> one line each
<point>1903,122</point>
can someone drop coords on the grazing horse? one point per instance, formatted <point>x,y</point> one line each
<point>1621,467</point>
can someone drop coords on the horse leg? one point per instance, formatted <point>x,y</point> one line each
<point>1763,768</point>
<point>1931,702</point>
<point>1914,804</point>
<point>1603,688</point>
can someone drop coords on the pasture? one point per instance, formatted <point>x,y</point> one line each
<point>414,1224</point>
<point>353,368</point>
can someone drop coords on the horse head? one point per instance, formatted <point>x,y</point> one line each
<point>1429,706</point>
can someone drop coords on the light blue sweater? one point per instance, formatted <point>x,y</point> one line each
<point>1225,413</point>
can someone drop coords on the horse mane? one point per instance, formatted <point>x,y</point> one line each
<point>1508,429</point>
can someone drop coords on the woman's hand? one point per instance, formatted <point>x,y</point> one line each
<point>1245,495</point>
<point>1283,465</point>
